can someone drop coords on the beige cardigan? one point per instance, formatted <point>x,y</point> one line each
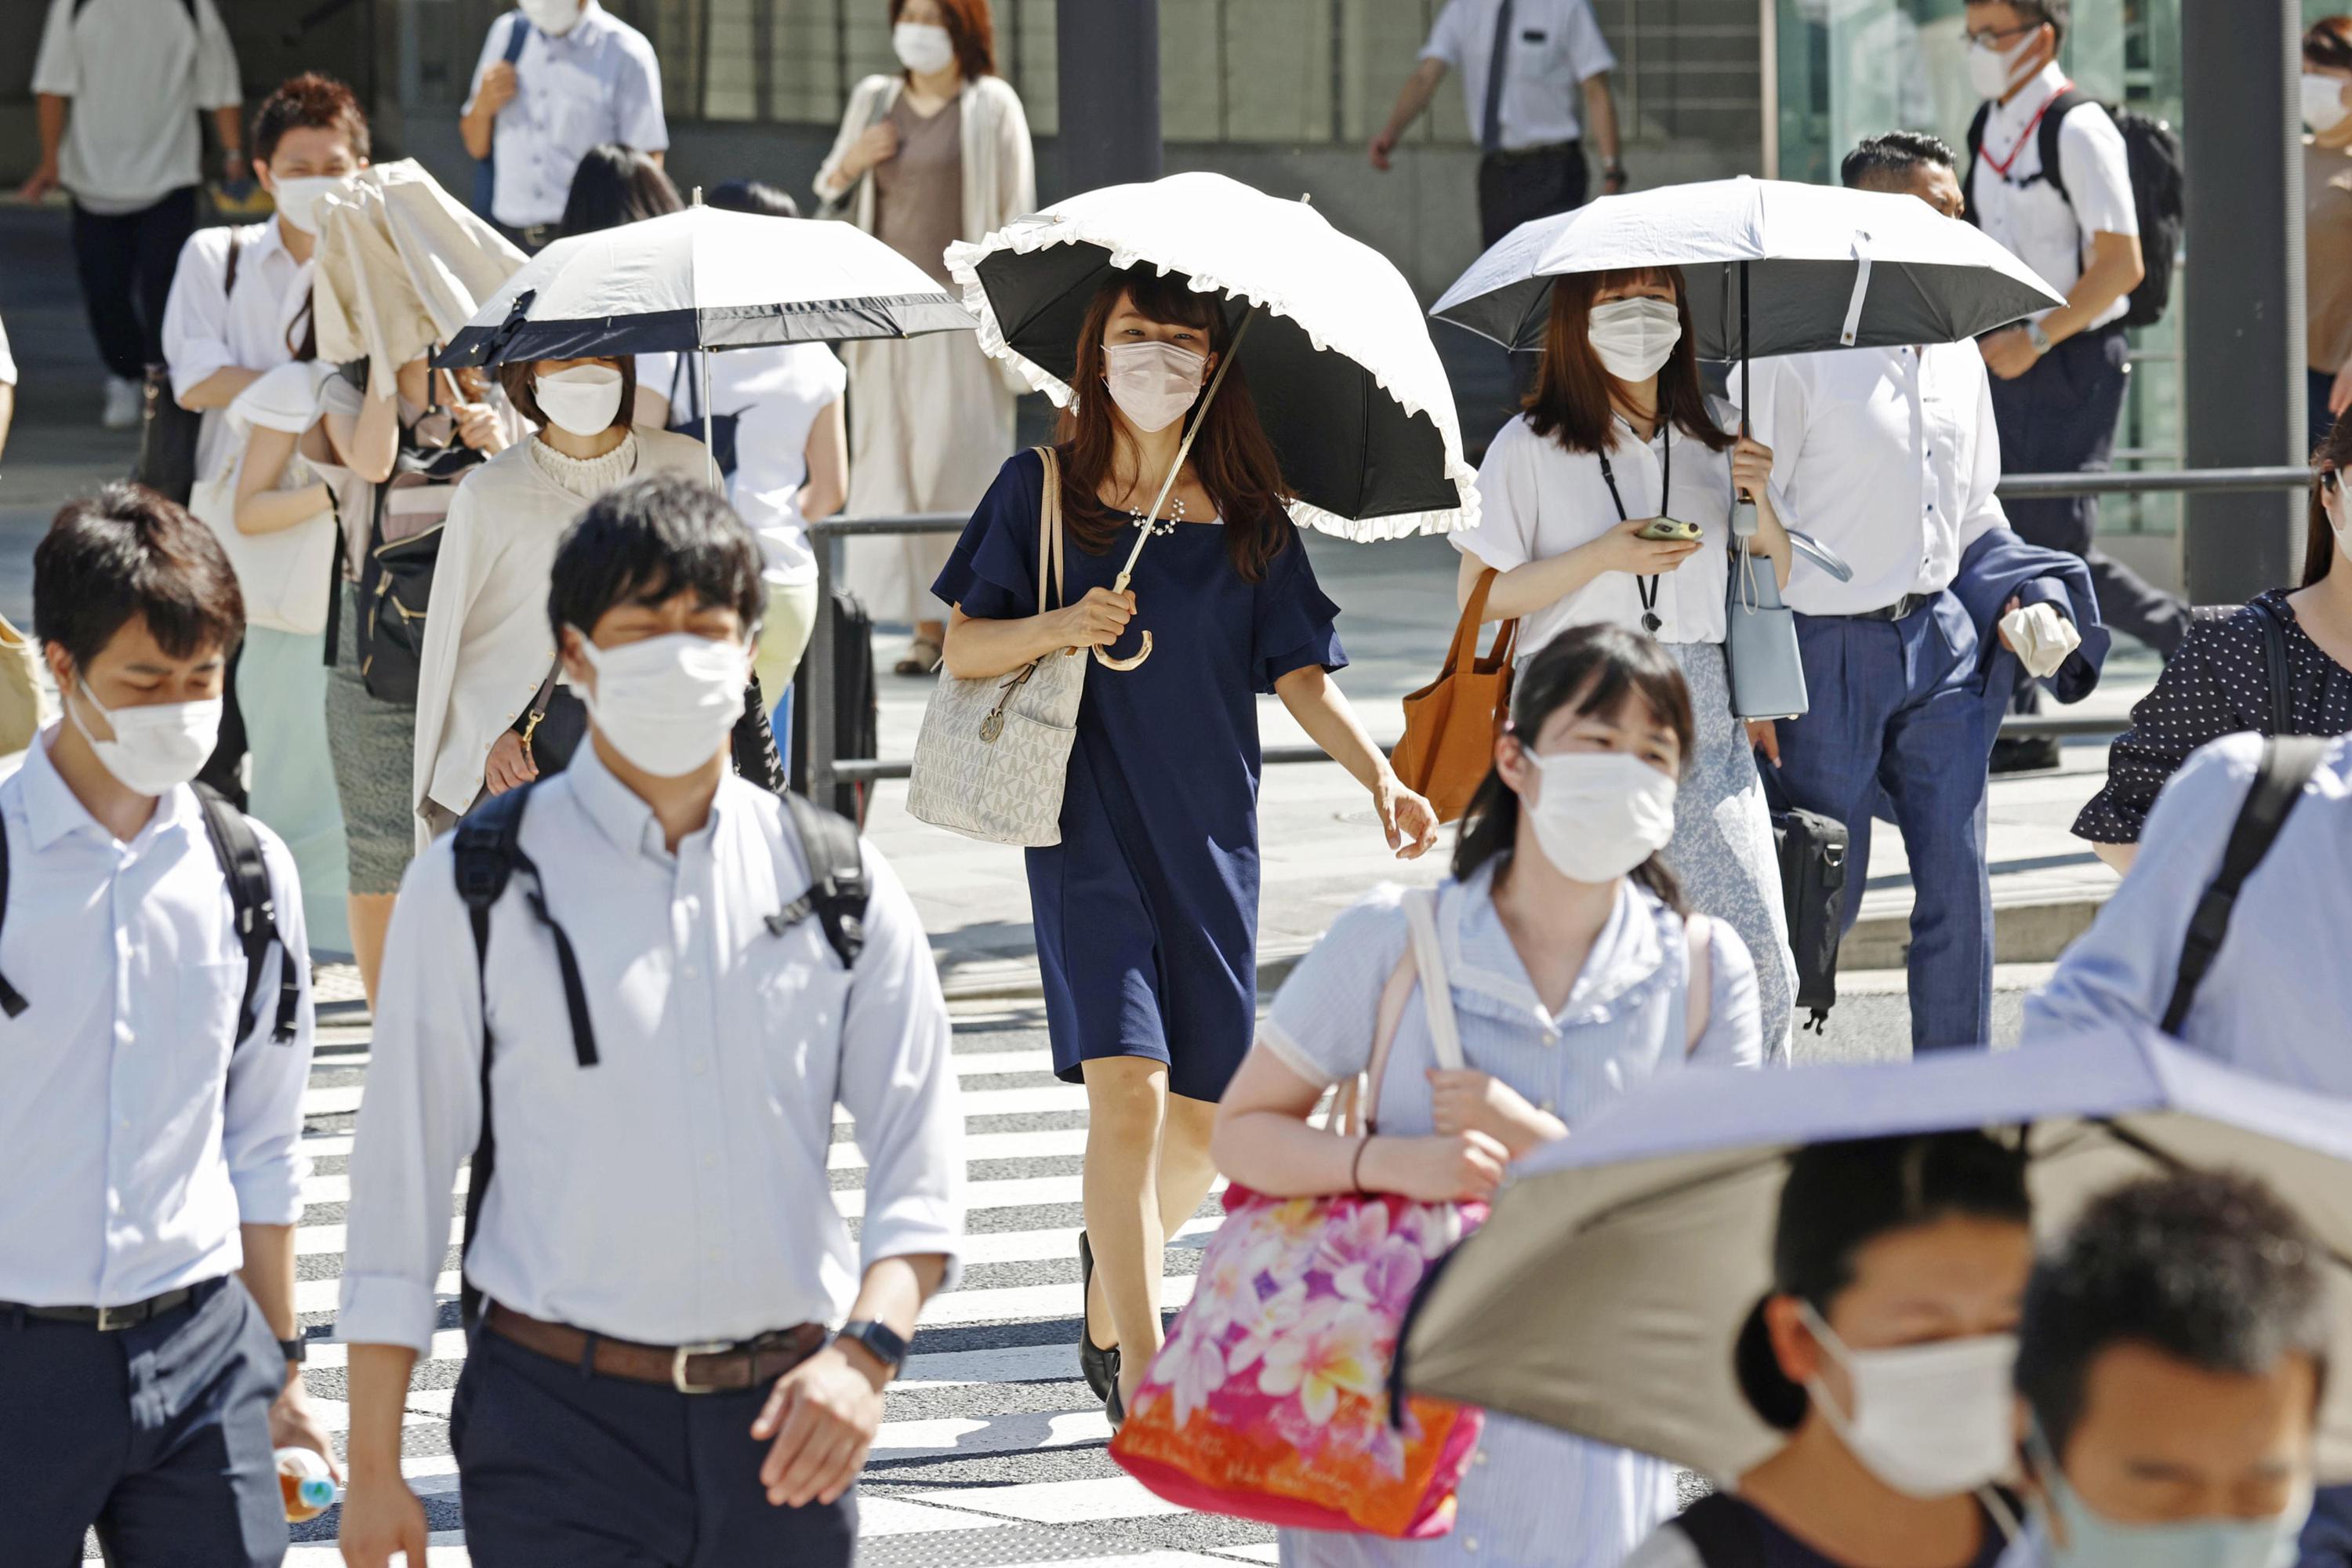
<point>999,172</point>
<point>488,644</point>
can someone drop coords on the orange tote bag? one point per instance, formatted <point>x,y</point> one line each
<point>1450,724</point>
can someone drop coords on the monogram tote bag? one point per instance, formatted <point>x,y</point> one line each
<point>994,753</point>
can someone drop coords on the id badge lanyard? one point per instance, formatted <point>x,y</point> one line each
<point>1647,585</point>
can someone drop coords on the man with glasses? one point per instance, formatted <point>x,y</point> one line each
<point>2059,380</point>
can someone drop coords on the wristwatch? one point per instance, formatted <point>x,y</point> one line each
<point>2037,337</point>
<point>880,1341</point>
<point>295,1350</point>
<point>1614,172</point>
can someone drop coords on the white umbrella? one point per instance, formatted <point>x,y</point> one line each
<point>1606,1291</point>
<point>1347,383</point>
<point>704,279</point>
<point>1769,267</point>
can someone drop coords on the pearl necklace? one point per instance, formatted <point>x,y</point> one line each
<point>1161,528</point>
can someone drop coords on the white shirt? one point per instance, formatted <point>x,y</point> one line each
<point>137,1133</point>
<point>1538,500</point>
<point>2025,211</point>
<point>205,329</point>
<point>599,82</point>
<point>138,71</point>
<point>677,1191</point>
<point>2275,1002</point>
<point>1556,48</point>
<point>487,643</point>
<point>7,360</point>
<point>1891,458</point>
<point>774,396</point>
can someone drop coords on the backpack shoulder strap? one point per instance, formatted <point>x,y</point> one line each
<point>2276,667</point>
<point>236,251</point>
<point>12,1001</point>
<point>2053,116</point>
<point>837,890</point>
<point>2287,765</point>
<point>488,853</point>
<point>1724,1531</point>
<point>518,34</point>
<point>238,849</point>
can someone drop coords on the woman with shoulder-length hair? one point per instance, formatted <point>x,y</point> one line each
<point>1575,977</point>
<point>1617,438</point>
<point>937,153</point>
<point>1147,909</point>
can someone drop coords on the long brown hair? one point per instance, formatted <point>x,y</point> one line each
<point>1591,669</point>
<point>2319,536</point>
<point>1232,457</point>
<point>1572,401</point>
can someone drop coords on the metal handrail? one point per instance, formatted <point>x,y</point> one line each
<point>827,770</point>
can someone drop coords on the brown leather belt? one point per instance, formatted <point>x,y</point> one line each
<point>719,1368</point>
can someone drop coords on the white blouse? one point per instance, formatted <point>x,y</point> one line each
<point>1538,500</point>
<point>487,643</point>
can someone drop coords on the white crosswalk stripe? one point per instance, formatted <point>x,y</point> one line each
<point>990,1437</point>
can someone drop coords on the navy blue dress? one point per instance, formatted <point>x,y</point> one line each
<point>1147,910</point>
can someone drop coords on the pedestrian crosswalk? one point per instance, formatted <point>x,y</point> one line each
<point>993,1452</point>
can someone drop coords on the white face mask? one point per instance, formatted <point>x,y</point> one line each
<point>2322,102</point>
<point>157,747</point>
<point>553,17</point>
<point>1635,338</point>
<point>298,199</point>
<point>1928,1420</point>
<point>1153,383</point>
<point>922,48</point>
<point>1598,814</point>
<point>668,703</point>
<point>584,400</point>
<point>1994,70</point>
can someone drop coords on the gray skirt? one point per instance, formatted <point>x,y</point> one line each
<point>1722,849</point>
<point>373,744</point>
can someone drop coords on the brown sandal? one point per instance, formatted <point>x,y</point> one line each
<point>923,658</point>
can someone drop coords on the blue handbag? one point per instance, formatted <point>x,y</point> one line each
<point>1760,632</point>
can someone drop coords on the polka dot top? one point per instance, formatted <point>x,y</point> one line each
<point>2218,684</point>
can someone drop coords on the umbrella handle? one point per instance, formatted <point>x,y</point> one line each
<point>1131,661</point>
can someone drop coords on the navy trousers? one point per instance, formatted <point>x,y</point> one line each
<point>125,262</point>
<point>561,1468</point>
<point>1895,710</point>
<point>2060,418</point>
<point>157,1435</point>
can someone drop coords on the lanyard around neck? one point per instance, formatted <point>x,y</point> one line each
<point>2001,166</point>
<point>1646,586</point>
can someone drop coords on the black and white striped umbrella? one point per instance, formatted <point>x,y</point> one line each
<point>704,279</point>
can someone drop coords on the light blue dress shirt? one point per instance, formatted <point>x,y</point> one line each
<point>137,1131</point>
<point>1533,1496</point>
<point>677,1191</point>
<point>2277,999</point>
<point>600,81</point>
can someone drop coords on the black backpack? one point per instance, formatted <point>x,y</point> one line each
<point>238,849</point>
<point>2288,763</point>
<point>1813,849</point>
<point>166,463</point>
<point>856,705</point>
<point>2158,190</point>
<point>489,854</point>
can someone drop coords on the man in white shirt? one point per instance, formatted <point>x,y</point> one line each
<point>1535,76</point>
<point>150,1165</point>
<point>2169,1364</point>
<point>678,995</point>
<point>118,84</point>
<point>1890,458</point>
<point>555,79</point>
<point>2078,226</point>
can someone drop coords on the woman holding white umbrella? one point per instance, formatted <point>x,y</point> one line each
<point>1609,499</point>
<point>1147,909</point>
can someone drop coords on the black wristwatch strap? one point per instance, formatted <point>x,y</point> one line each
<point>295,1350</point>
<point>880,1341</point>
